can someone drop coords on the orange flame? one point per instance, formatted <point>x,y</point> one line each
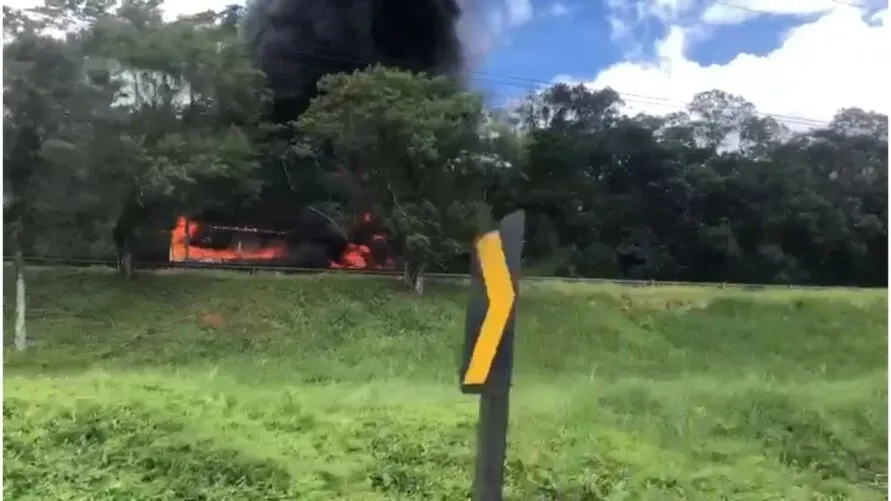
<point>184,249</point>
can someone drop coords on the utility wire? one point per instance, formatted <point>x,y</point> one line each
<point>775,13</point>
<point>849,4</point>
<point>532,84</point>
<point>626,97</point>
<point>535,85</point>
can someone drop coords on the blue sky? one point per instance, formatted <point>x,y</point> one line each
<point>579,43</point>
<point>800,58</point>
<point>804,58</point>
<point>548,46</point>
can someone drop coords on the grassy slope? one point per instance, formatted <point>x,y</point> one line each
<point>198,387</point>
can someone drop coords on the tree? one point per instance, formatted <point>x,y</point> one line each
<point>126,120</point>
<point>711,193</point>
<point>412,143</point>
<point>716,114</point>
<point>54,104</point>
<point>193,104</point>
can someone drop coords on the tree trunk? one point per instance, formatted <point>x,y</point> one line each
<point>21,334</point>
<point>122,249</point>
<point>413,277</point>
<point>418,286</point>
<point>126,264</point>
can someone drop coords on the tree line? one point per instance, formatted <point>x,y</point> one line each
<point>117,121</point>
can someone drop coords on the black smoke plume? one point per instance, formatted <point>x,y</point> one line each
<point>296,42</point>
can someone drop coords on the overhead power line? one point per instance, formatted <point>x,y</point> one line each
<point>532,84</point>
<point>776,13</point>
<point>851,4</point>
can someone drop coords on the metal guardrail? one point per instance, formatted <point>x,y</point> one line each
<point>255,268</point>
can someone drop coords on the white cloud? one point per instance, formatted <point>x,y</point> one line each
<point>618,28</point>
<point>631,21</point>
<point>721,11</point>
<point>558,9</point>
<point>742,10</point>
<point>519,11</point>
<point>628,20</point>
<point>665,9</point>
<point>823,65</point>
<point>633,11</point>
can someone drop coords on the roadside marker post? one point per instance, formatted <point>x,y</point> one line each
<point>487,364</point>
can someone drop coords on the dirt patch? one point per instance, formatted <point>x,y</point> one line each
<point>212,319</point>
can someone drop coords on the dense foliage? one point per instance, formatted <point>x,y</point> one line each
<point>126,120</point>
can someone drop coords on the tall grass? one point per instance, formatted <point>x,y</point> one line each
<point>211,387</point>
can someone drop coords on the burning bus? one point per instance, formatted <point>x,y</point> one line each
<point>194,241</point>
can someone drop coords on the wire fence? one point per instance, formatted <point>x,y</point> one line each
<point>255,269</point>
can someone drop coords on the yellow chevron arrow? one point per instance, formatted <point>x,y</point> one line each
<point>500,292</point>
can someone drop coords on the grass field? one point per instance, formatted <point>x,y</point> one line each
<point>196,386</point>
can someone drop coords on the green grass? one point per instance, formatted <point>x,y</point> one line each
<point>213,387</point>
